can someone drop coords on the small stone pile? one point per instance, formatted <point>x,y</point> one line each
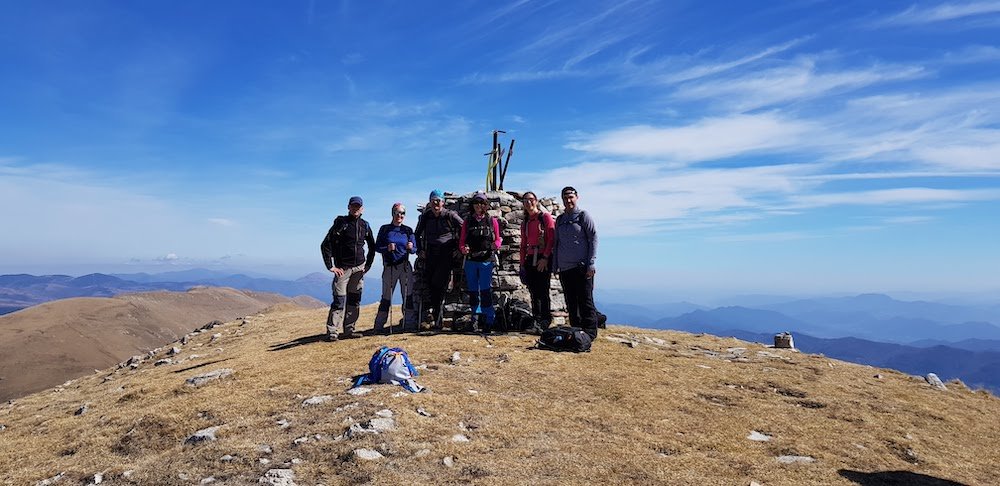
<point>507,286</point>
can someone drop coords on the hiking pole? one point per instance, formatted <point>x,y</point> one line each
<point>392,290</point>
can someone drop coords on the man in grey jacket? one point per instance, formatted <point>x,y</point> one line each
<point>573,258</point>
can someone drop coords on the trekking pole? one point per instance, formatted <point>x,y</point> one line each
<point>391,291</point>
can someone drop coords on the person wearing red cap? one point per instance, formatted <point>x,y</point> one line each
<point>344,256</point>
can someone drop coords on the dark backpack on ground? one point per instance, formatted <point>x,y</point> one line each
<point>602,320</point>
<point>571,339</point>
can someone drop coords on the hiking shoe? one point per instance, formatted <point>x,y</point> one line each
<point>350,335</point>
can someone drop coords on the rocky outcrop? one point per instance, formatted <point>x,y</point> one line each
<point>507,286</point>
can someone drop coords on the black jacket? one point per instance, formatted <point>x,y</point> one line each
<point>344,243</point>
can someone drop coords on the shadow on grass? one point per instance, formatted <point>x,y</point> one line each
<point>315,338</point>
<point>189,368</point>
<point>891,478</point>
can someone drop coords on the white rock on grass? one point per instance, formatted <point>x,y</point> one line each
<point>82,410</point>
<point>164,361</point>
<point>456,357</point>
<point>935,381</point>
<point>174,351</point>
<point>227,458</point>
<point>368,454</point>
<point>283,423</point>
<point>278,477</point>
<point>203,435</point>
<point>317,400</point>
<point>264,449</point>
<point>459,438</point>
<point>795,459</point>
<point>384,413</point>
<point>200,380</point>
<point>759,437</point>
<point>448,461</point>
<point>361,390</point>
<point>208,480</point>
<point>52,480</point>
<point>422,453</point>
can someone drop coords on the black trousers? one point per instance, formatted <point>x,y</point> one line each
<point>538,286</point>
<point>437,272</point>
<point>579,293</point>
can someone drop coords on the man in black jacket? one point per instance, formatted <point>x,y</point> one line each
<point>437,239</point>
<point>344,245</point>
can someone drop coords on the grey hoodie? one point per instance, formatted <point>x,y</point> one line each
<point>576,241</point>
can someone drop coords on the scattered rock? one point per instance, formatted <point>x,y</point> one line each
<point>361,390</point>
<point>705,366</point>
<point>459,438</point>
<point>421,411</point>
<point>3,427</point>
<point>174,351</point>
<point>878,376</point>
<point>300,441</point>
<point>473,392</point>
<point>82,410</point>
<point>284,423</point>
<point>382,424</point>
<point>53,479</point>
<point>208,480</point>
<point>128,474</point>
<point>227,458</point>
<point>215,337</point>
<point>448,461</point>
<point>754,483</point>
<point>456,357</point>
<point>368,454</point>
<point>759,437</point>
<point>296,461</point>
<point>317,400</point>
<point>384,413</point>
<point>200,380</point>
<point>422,453</point>
<point>203,435</point>
<point>185,340</point>
<point>164,361</point>
<point>264,461</point>
<point>795,460</point>
<point>935,381</point>
<point>98,479</point>
<point>264,449</point>
<point>278,477</point>
<point>347,407</point>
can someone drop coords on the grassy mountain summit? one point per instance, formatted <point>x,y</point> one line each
<point>643,407</point>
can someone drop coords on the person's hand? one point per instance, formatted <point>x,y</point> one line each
<point>590,272</point>
<point>409,246</point>
<point>464,249</point>
<point>543,263</point>
<point>337,271</point>
<point>392,247</point>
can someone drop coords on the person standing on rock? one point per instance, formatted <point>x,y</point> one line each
<point>344,256</point>
<point>437,241</point>
<point>480,240</point>
<point>537,238</point>
<point>396,242</point>
<point>574,254</point>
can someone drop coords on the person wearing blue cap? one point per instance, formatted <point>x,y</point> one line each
<point>437,241</point>
<point>344,256</point>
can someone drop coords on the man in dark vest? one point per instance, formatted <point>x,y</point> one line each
<point>344,256</point>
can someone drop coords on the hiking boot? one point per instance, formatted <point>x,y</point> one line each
<point>350,335</point>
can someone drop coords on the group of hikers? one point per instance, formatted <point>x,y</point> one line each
<point>565,246</point>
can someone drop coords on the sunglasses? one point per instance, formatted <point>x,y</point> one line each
<point>399,213</point>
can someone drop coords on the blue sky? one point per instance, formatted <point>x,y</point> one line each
<point>805,146</point>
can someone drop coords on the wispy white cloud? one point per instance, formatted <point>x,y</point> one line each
<point>222,221</point>
<point>941,13</point>
<point>897,196</point>
<point>706,139</point>
<point>909,220</point>
<point>715,67</point>
<point>799,81</point>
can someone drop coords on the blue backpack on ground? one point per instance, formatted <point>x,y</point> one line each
<point>390,365</point>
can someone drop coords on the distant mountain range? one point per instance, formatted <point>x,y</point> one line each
<point>20,291</point>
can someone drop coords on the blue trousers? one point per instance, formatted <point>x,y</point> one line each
<point>479,276</point>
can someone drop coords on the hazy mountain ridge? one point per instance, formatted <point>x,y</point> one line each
<point>21,290</point>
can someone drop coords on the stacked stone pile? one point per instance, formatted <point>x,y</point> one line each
<point>507,286</point>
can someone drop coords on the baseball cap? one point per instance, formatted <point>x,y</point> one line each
<point>356,200</point>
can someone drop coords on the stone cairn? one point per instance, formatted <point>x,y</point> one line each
<point>507,286</point>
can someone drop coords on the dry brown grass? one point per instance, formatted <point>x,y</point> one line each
<point>47,344</point>
<point>662,412</point>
